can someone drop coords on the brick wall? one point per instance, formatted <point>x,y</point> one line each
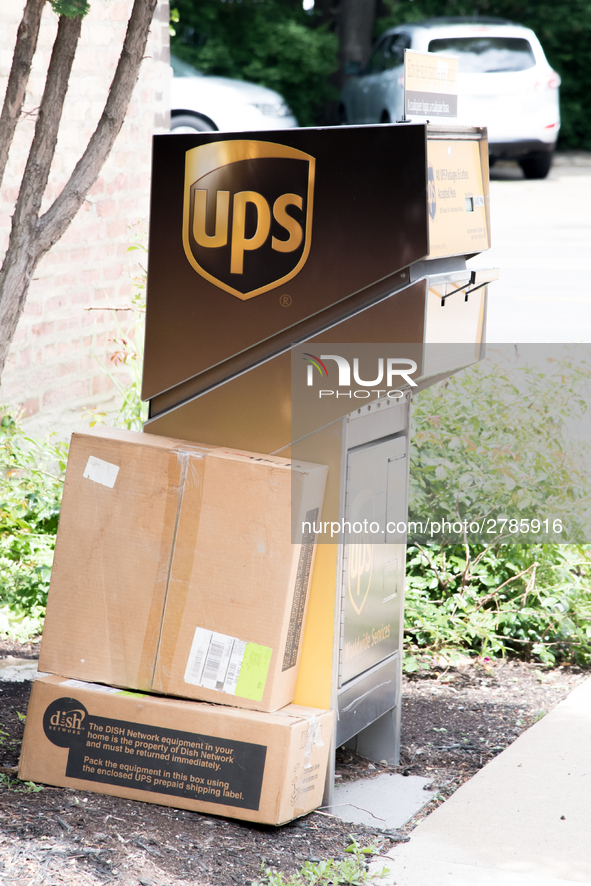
<point>52,370</point>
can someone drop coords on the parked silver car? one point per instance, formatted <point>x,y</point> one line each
<point>201,103</point>
<point>504,82</point>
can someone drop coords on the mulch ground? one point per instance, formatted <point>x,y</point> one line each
<point>454,720</point>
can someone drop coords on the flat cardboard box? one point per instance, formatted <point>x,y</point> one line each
<point>175,572</point>
<point>262,767</point>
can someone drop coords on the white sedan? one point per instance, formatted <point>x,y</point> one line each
<point>504,83</point>
<point>201,103</point>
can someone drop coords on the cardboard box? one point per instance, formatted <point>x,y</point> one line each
<point>264,767</point>
<point>174,570</point>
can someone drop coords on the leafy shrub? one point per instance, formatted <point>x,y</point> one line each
<point>497,436</point>
<point>502,439</point>
<point>31,473</point>
<point>523,600</point>
<point>270,42</point>
<point>31,481</point>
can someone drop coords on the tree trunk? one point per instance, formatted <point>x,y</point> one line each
<point>31,237</point>
<point>24,50</point>
<point>352,21</point>
<point>22,254</point>
<point>355,33</point>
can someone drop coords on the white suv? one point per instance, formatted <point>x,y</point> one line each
<point>504,83</point>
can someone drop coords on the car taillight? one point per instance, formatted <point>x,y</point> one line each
<point>553,82</point>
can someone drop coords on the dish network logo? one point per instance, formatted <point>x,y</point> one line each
<point>68,719</point>
<point>388,369</point>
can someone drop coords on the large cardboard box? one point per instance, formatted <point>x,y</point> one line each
<point>264,767</point>
<point>175,572</point>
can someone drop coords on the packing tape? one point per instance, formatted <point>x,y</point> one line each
<point>191,461</point>
<point>314,738</point>
<point>178,461</point>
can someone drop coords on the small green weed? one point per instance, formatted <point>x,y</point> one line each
<point>352,870</point>
<point>21,787</point>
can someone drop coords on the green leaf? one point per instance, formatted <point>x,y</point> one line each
<point>70,8</point>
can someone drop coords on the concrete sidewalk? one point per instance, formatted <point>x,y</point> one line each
<point>523,820</point>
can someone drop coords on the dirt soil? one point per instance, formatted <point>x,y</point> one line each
<point>454,720</point>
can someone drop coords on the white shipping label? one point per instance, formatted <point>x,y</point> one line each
<point>100,471</point>
<point>215,661</point>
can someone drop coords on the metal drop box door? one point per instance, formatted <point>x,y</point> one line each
<point>373,576</point>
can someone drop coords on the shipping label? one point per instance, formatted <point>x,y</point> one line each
<point>227,664</point>
<point>100,471</point>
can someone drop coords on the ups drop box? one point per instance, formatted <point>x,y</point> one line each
<point>174,570</point>
<point>263,767</point>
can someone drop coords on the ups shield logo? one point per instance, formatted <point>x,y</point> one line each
<point>247,214</point>
<point>360,557</point>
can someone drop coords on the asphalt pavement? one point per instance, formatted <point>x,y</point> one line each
<point>541,241</point>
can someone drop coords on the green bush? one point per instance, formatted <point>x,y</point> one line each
<point>270,42</point>
<point>31,473</point>
<point>494,439</point>
<point>499,440</point>
<point>530,601</point>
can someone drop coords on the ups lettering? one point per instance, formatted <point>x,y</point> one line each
<point>247,214</point>
<point>240,243</point>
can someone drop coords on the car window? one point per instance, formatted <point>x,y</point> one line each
<point>399,43</point>
<point>182,69</point>
<point>486,55</point>
<point>377,60</point>
<point>389,53</point>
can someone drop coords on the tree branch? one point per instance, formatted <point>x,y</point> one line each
<point>23,252</point>
<point>55,221</point>
<point>24,50</point>
<point>491,596</point>
<point>42,150</point>
<point>31,237</point>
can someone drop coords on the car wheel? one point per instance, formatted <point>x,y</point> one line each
<point>188,123</point>
<point>537,165</point>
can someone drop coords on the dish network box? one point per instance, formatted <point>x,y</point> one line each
<point>174,570</point>
<point>263,767</point>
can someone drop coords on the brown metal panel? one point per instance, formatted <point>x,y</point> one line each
<point>306,236</point>
<point>253,411</point>
<point>251,357</point>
